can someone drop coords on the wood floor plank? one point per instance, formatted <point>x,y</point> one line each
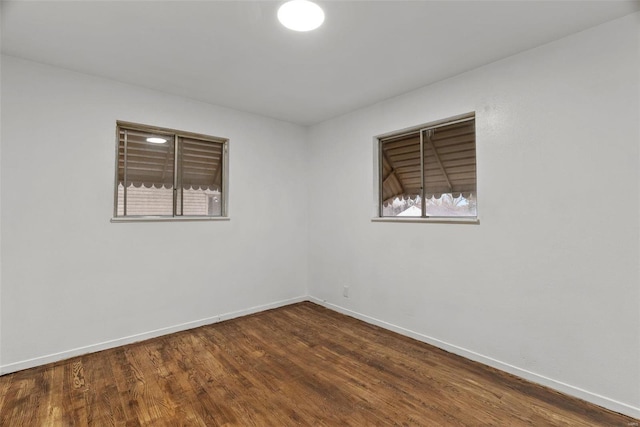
<point>296,365</point>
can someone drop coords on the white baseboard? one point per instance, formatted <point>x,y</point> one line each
<point>594,398</point>
<point>55,357</point>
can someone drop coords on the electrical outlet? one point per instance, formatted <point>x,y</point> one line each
<point>345,292</point>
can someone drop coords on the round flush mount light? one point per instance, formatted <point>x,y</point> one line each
<point>300,15</point>
<point>156,140</point>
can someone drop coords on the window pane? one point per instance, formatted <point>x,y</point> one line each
<point>200,177</point>
<point>149,174</point>
<point>431,170</point>
<point>400,176</point>
<point>450,170</point>
<point>403,207</point>
<point>451,205</point>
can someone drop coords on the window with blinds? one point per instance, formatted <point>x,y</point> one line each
<point>169,174</point>
<point>429,171</point>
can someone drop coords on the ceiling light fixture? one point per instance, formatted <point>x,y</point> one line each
<point>156,140</point>
<point>300,15</point>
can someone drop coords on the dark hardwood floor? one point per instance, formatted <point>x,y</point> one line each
<point>297,365</point>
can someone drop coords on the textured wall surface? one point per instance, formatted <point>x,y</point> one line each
<point>74,279</point>
<point>548,283</point>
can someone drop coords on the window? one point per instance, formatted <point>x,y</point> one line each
<point>430,171</point>
<point>169,174</point>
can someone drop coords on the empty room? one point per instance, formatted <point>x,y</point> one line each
<point>335,213</point>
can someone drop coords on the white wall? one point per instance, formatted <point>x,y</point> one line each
<point>1,8</point>
<point>547,286</point>
<point>73,279</point>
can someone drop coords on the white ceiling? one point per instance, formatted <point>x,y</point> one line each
<point>236,54</point>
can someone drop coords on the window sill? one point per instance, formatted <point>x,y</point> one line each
<point>439,220</point>
<point>169,218</point>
